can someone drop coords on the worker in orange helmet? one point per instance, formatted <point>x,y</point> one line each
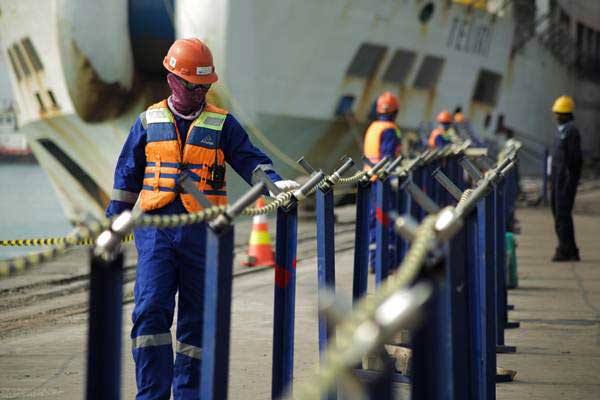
<point>382,139</point>
<point>181,135</point>
<point>442,135</point>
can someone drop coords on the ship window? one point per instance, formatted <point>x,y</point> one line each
<point>487,87</point>
<point>53,99</point>
<point>344,106</point>
<point>32,54</point>
<point>40,102</point>
<point>13,62</point>
<point>366,60</point>
<point>426,12</point>
<point>24,67</point>
<point>86,181</point>
<point>400,66</point>
<point>429,73</point>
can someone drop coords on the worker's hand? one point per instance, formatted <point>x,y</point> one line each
<point>286,186</point>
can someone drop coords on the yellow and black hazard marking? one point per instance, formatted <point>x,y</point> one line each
<point>50,241</point>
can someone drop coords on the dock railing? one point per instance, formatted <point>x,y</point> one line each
<point>440,273</point>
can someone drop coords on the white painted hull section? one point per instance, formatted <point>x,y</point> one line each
<point>283,66</point>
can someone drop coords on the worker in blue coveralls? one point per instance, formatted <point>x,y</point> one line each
<point>382,139</point>
<point>566,172</point>
<point>182,134</point>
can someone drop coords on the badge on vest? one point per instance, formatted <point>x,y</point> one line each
<point>204,138</point>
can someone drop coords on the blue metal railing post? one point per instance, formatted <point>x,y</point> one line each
<point>325,255</point>
<point>104,329</point>
<point>217,313</point>
<point>456,275</point>
<point>382,252</point>
<point>432,350</point>
<point>415,209</point>
<point>477,315</point>
<point>487,234</point>
<point>402,207</point>
<point>216,323</point>
<point>285,298</point>
<point>361,241</point>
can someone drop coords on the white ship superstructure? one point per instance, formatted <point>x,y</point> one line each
<point>301,76</point>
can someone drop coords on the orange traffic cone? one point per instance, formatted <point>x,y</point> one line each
<point>260,252</point>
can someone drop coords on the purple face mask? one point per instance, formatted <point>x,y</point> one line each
<point>185,100</point>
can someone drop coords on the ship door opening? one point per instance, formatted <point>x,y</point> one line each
<point>152,31</point>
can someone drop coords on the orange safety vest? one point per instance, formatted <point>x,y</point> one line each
<point>372,145</point>
<point>434,134</point>
<point>165,158</point>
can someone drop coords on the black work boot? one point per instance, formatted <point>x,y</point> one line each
<point>563,256</point>
<point>560,256</point>
<point>575,255</point>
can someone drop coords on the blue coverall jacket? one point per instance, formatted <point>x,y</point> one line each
<point>566,172</point>
<point>171,260</point>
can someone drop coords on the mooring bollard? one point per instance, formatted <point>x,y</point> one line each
<point>106,312</point>
<point>217,298</point>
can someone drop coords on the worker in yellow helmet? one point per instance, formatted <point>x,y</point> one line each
<point>566,171</point>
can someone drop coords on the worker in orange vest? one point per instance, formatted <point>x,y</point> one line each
<point>183,135</point>
<point>382,139</point>
<point>441,136</point>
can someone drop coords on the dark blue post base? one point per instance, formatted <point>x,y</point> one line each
<point>104,329</point>
<point>217,314</point>
<point>285,300</point>
<point>361,242</point>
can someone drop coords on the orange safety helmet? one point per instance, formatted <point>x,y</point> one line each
<point>191,59</point>
<point>445,117</point>
<point>387,103</point>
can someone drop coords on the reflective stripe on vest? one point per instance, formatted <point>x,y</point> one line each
<point>165,158</point>
<point>372,145</point>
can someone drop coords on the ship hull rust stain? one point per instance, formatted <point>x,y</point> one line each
<point>94,99</point>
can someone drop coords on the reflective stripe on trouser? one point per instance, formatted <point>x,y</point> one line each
<point>168,260</point>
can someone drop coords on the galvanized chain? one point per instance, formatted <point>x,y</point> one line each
<point>23,263</point>
<point>338,358</point>
<point>279,201</point>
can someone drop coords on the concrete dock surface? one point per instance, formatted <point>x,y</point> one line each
<point>42,351</point>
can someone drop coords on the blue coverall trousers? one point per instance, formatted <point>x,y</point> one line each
<point>169,260</point>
